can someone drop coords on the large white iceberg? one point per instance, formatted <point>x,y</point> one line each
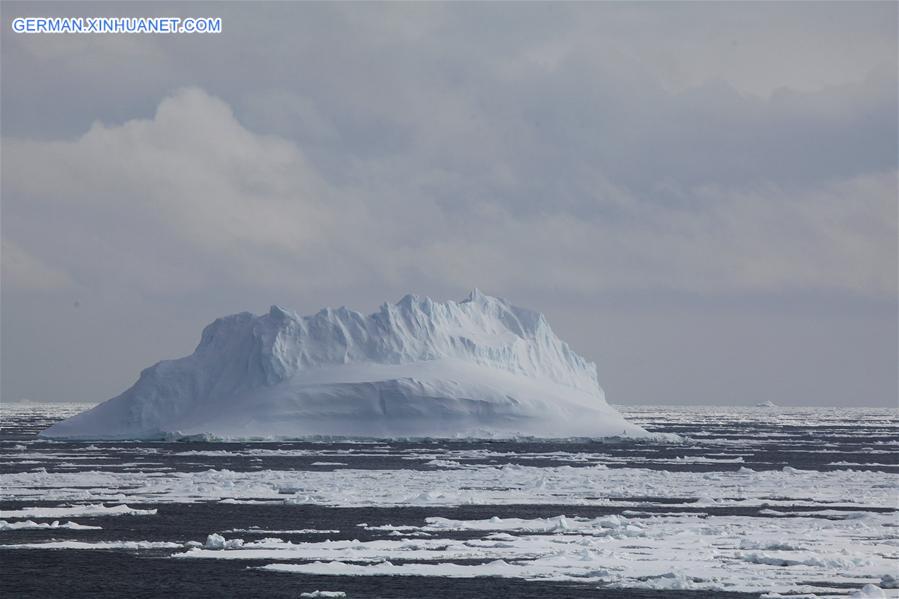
<point>418,368</point>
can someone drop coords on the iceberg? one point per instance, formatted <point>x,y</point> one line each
<point>479,368</point>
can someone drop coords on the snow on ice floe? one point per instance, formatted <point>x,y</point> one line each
<point>869,591</point>
<point>689,552</point>
<point>76,511</point>
<point>96,545</point>
<point>557,524</point>
<point>217,541</point>
<point>418,368</point>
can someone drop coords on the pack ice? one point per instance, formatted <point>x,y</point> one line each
<point>418,368</point>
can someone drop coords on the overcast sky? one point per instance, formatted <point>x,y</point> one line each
<point>701,197</point>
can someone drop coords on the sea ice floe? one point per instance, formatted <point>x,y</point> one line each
<point>120,545</point>
<point>560,524</point>
<point>836,514</point>
<point>324,594</point>
<point>805,559</point>
<point>496,568</point>
<point>677,581</point>
<point>297,531</point>
<point>869,591</point>
<point>475,484</point>
<point>32,525</point>
<point>770,545</point>
<point>689,552</point>
<point>76,511</point>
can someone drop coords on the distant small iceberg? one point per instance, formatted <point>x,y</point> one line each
<point>766,404</point>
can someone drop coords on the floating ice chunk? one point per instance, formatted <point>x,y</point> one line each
<point>770,545</point>
<point>217,541</point>
<point>671,581</point>
<point>324,594</point>
<point>299,499</point>
<point>869,591</point>
<point>768,559</point>
<point>32,525</point>
<point>427,497</point>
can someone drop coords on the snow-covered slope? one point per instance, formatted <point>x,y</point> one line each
<point>420,368</point>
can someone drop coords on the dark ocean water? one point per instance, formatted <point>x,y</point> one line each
<point>822,441</point>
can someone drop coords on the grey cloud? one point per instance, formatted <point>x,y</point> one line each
<point>562,155</point>
<point>195,177</point>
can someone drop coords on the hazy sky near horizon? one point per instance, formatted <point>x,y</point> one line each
<point>701,197</point>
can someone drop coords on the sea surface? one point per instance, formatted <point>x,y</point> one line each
<point>748,501</point>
